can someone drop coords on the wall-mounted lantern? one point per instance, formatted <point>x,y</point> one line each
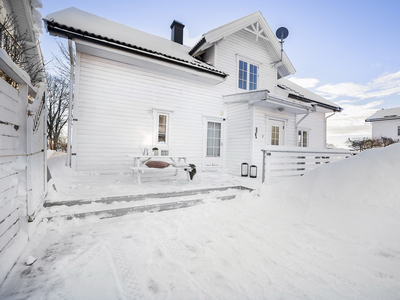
<point>253,171</point>
<point>244,170</point>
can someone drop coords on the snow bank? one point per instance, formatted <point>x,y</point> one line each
<point>359,196</point>
<point>332,234</point>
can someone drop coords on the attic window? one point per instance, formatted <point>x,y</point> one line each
<point>247,75</point>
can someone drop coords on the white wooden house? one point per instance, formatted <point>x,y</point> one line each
<point>219,102</point>
<point>386,122</point>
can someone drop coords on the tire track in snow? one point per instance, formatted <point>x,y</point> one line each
<point>125,266</point>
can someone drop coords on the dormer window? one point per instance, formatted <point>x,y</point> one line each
<point>247,75</point>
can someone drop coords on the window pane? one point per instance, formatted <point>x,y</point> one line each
<point>209,151</point>
<point>162,129</point>
<point>242,84</point>
<point>209,142</point>
<point>161,138</point>
<point>253,77</point>
<point>305,139</point>
<point>162,119</point>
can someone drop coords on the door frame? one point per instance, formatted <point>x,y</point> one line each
<point>207,119</point>
<point>268,133</point>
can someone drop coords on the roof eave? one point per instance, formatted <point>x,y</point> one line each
<point>382,119</point>
<point>334,108</point>
<point>64,31</point>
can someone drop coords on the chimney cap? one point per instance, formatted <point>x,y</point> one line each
<point>175,22</point>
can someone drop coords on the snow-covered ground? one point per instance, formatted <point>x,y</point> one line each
<point>331,234</point>
<point>80,186</point>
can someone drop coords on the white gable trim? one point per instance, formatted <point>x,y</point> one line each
<point>261,29</point>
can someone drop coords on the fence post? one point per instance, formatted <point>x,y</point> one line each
<point>266,171</point>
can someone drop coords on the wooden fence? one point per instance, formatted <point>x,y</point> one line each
<point>22,161</point>
<point>287,162</point>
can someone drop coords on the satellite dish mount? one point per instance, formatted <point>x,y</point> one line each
<point>282,33</point>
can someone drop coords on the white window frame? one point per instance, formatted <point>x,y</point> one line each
<point>302,138</point>
<point>249,62</point>
<point>156,114</point>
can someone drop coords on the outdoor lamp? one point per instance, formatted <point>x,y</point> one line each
<point>253,171</point>
<point>245,169</point>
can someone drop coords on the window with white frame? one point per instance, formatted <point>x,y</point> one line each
<point>162,124</point>
<point>302,138</point>
<point>398,130</point>
<point>247,75</point>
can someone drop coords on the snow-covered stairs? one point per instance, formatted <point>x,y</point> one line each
<point>153,202</point>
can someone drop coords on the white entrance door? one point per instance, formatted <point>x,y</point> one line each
<point>213,151</point>
<point>276,132</point>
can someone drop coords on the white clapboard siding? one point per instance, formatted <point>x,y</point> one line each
<point>244,44</point>
<point>238,133</point>
<point>260,121</point>
<point>114,109</point>
<point>315,123</point>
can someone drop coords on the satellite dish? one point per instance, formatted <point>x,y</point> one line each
<point>282,33</point>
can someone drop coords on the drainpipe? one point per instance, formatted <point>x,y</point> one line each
<point>71,86</point>
<point>309,110</point>
<point>326,127</point>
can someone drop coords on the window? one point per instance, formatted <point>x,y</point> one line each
<point>162,129</point>
<point>302,138</point>
<point>398,130</point>
<point>214,139</point>
<point>275,135</point>
<point>162,122</point>
<point>248,76</point>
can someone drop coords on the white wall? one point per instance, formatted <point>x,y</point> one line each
<point>114,108</point>
<point>238,141</point>
<point>114,105</point>
<point>315,123</point>
<point>387,128</point>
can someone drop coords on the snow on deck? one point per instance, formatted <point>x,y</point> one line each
<point>82,186</point>
<point>332,234</point>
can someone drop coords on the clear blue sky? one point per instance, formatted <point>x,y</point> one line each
<point>347,51</point>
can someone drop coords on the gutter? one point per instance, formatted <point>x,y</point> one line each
<point>334,108</point>
<point>71,33</point>
<point>382,119</point>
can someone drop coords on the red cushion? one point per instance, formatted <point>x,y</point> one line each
<point>157,164</point>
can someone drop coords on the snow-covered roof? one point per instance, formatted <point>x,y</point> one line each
<point>81,23</point>
<point>297,92</point>
<point>256,24</point>
<point>385,114</point>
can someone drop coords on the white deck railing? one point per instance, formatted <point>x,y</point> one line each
<point>280,163</point>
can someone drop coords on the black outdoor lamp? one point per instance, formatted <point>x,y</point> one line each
<point>253,171</point>
<point>245,169</point>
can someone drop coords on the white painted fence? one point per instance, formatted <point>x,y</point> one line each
<point>22,162</point>
<point>280,163</point>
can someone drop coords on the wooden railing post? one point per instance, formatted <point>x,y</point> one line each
<point>266,170</point>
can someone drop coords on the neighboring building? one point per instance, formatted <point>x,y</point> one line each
<point>219,102</point>
<point>386,122</point>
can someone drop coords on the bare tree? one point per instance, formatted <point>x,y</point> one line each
<point>15,44</point>
<point>362,144</point>
<point>57,105</point>
<point>62,60</point>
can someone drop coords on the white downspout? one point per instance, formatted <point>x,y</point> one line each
<point>326,126</point>
<point>71,86</point>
